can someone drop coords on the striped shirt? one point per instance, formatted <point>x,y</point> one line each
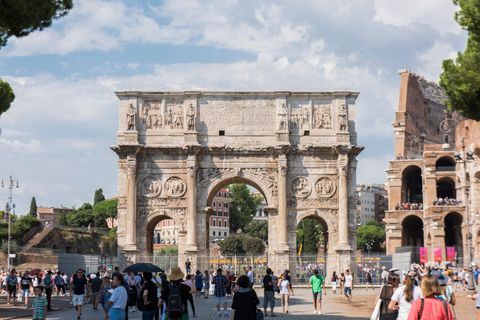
<point>39,307</point>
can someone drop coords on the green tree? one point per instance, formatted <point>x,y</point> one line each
<point>243,206</point>
<point>6,94</point>
<point>309,236</point>
<point>370,233</point>
<point>253,246</point>
<point>461,79</point>
<point>19,18</point>
<point>98,197</point>
<point>62,219</point>
<point>104,210</point>
<point>13,246</point>
<point>23,225</point>
<point>167,251</point>
<point>33,208</point>
<point>258,229</point>
<point>83,216</point>
<point>232,245</point>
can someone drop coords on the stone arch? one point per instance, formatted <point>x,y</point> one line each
<point>477,176</point>
<point>445,163</point>
<point>154,218</point>
<point>453,232</point>
<point>446,188</point>
<point>412,231</point>
<point>412,184</point>
<point>323,219</point>
<point>230,178</point>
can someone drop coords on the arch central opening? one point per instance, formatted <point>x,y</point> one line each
<point>312,245</point>
<point>412,231</point>
<point>412,185</point>
<point>446,188</point>
<point>453,233</point>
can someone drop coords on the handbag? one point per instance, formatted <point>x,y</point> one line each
<point>259,315</point>
<point>376,311</point>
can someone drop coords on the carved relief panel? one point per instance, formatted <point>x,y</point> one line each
<point>325,187</point>
<point>174,115</point>
<point>149,187</point>
<point>300,114</point>
<point>322,114</point>
<point>152,115</point>
<point>342,117</point>
<point>175,187</point>
<point>300,187</point>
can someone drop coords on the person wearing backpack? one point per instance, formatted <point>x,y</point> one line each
<point>434,306</point>
<point>148,297</point>
<point>12,282</point>
<point>175,296</point>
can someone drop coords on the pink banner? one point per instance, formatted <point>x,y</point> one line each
<point>450,254</point>
<point>437,253</point>
<point>423,255</point>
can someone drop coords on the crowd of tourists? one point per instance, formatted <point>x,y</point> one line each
<point>446,202</point>
<point>409,206</point>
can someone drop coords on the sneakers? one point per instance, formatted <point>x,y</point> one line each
<point>349,301</point>
<point>226,314</point>
<point>194,315</point>
<point>315,312</point>
<point>319,312</point>
<point>219,315</point>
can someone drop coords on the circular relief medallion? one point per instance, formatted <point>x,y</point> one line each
<point>175,187</point>
<point>325,187</point>
<point>300,187</point>
<point>149,187</point>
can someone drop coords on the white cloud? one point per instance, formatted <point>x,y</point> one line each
<point>132,65</point>
<point>17,146</point>
<point>431,61</point>
<point>407,13</point>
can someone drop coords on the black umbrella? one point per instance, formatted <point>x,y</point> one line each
<point>142,267</point>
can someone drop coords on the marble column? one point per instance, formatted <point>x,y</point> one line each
<point>342,208</point>
<point>192,204</point>
<point>282,227</point>
<point>131,221</point>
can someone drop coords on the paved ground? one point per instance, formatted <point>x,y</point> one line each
<point>301,307</point>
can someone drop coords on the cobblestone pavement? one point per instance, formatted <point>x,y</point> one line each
<point>301,307</point>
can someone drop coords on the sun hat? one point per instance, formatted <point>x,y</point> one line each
<point>176,274</point>
<point>442,280</point>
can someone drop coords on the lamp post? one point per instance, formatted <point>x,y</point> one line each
<point>467,156</point>
<point>9,207</point>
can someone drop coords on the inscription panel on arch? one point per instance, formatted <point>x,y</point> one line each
<point>236,114</point>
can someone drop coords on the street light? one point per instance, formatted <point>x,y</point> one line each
<point>369,245</point>
<point>468,157</point>
<point>9,207</point>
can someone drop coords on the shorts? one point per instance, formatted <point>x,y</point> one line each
<point>188,271</point>
<point>78,299</point>
<point>221,300</point>
<point>317,296</point>
<point>348,290</point>
<point>268,297</point>
<point>25,293</point>
<point>95,296</point>
<point>11,291</point>
<point>199,289</point>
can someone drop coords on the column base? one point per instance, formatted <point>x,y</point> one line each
<point>191,248</point>
<point>130,249</point>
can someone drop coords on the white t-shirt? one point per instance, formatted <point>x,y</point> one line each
<point>119,298</point>
<point>348,280</point>
<point>399,296</point>
<point>250,276</point>
<point>284,286</point>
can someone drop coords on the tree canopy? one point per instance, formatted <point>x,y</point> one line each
<point>461,79</point>
<point>243,206</point>
<point>98,197</point>
<point>309,236</point>
<point>19,18</point>
<point>242,244</point>
<point>104,210</point>
<point>82,216</point>
<point>33,207</point>
<point>370,232</point>
<point>258,229</point>
<point>6,96</point>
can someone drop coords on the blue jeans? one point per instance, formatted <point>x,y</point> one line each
<point>117,314</point>
<point>148,314</point>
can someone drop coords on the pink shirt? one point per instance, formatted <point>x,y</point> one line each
<point>433,309</point>
<point>188,283</point>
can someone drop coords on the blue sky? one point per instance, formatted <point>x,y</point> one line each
<point>56,136</point>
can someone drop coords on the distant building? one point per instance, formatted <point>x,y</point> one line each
<point>111,222</point>
<point>372,201</point>
<point>51,214</point>
<point>260,214</point>
<point>166,231</point>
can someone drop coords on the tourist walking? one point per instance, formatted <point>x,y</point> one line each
<point>59,284</point>
<point>220,291</point>
<point>189,283</point>
<point>12,282</point>
<point>230,284</point>
<point>433,306</point>
<point>118,300</point>
<point>285,292</point>
<point>177,288</point>
<point>77,291</point>
<point>404,296</point>
<point>105,295</point>
<point>342,282</point>
<point>245,300</point>
<point>25,284</point>
<point>150,297</point>
<point>133,291</point>
<point>384,275</point>
<point>369,279</point>
<point>348,286</point>
<point>39,304</point>
<point>317,281</point>
<point>48,284</point>
<point>198,284</point>
<point>250,276</point>
<point>207,283</point>
<point>334,282</point>
<point>385,295</point>
<point>95,288</point>
<point>268,297</point>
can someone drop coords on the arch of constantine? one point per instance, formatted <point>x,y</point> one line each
<point>177,149</point>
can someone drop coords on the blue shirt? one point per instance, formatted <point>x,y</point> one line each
<point>46,281</point>
<point>475,273</point>
<point>198,281</point>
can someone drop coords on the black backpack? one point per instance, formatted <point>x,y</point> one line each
<point>140,302</point>
<point>175,306</point>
